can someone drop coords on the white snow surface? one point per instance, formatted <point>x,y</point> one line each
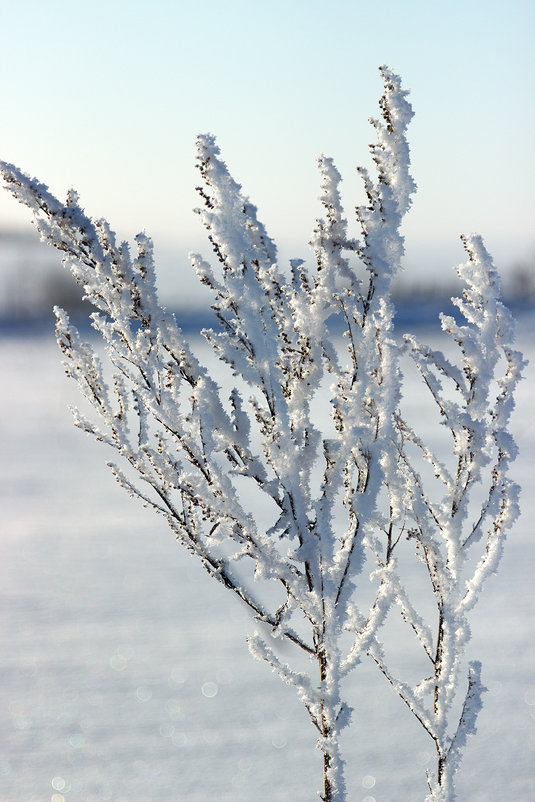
<point>125,675</point>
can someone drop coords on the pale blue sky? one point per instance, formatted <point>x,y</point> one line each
<point>109,96</point>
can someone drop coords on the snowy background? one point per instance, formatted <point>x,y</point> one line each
<point>125,675</point>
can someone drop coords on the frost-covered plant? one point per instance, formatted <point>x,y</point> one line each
<point>477,501</point>
<point>310,430</point>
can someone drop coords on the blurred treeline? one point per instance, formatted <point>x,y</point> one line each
<point>33,280</point>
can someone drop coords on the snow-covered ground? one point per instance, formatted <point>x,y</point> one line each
<point>124,673</point>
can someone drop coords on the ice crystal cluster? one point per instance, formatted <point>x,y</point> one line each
<point>311,432</point>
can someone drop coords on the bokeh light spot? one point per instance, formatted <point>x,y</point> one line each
<point>118,662</point>
<point>174,710</point>
<point>177,677</point>
<point>209,689</point>
<point>77,740</point>
<point>143,693</point>
<point>279,741</point>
